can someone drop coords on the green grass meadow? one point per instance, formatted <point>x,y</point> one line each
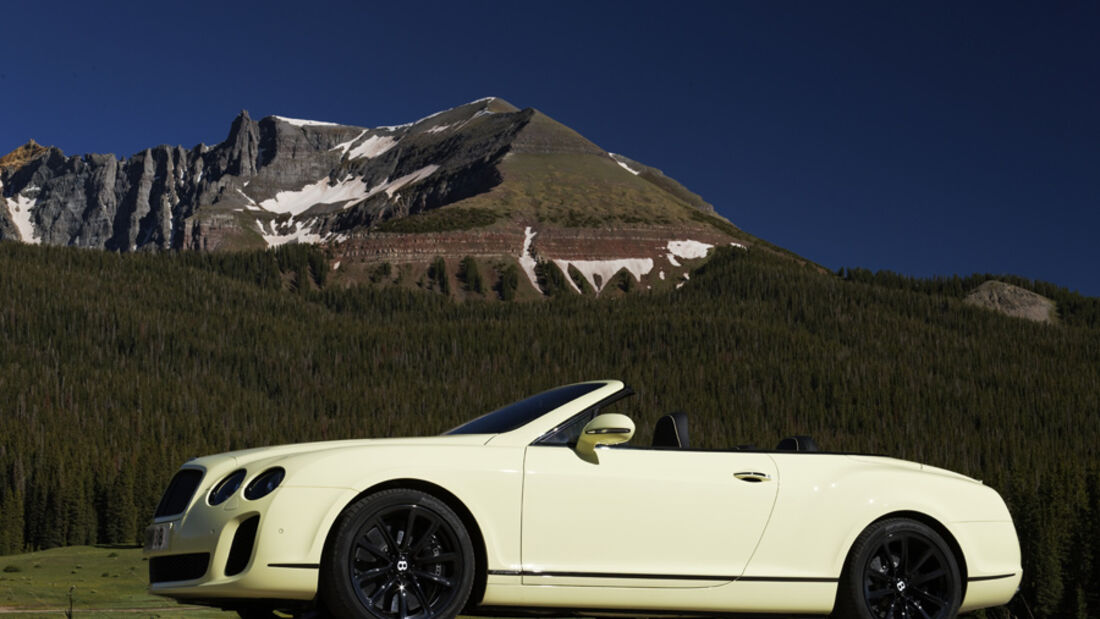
<point>109,581</point>
<point>106,581</point>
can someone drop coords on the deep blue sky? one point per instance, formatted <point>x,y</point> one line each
<point>922,137</point>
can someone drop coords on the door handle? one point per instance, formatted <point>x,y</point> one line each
<point>753,477</point>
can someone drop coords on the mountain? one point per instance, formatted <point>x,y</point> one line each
<point>484,179</point>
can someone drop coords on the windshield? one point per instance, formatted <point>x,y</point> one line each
<point>520,413</point>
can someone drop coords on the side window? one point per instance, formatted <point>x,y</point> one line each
<point>567,434</point>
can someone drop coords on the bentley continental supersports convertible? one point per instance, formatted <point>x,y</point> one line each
<point>543,506</point>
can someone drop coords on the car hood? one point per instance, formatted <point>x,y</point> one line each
<point>245,456</point>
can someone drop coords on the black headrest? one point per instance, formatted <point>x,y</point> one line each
<point>797,443</point>
<point>671,431</point>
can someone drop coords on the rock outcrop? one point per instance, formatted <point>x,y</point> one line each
<point>1012,301</point>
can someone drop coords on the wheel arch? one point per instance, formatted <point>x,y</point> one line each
<point>449,499</point>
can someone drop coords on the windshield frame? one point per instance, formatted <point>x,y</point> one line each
<point>522,412</point>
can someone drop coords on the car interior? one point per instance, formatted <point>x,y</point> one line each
<point>671,432</point>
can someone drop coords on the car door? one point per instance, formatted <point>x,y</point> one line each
<point>642,517</point>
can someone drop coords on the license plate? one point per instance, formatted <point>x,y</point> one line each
<point>157,536</point>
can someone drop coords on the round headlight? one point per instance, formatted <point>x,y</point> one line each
<point>226,487</point>
<point>264,483</point>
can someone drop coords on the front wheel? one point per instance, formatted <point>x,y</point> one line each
<point>899,568</point>
<point>398,554</point>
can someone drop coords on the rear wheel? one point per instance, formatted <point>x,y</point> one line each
<point>398,554</point>
<point>899,568</point>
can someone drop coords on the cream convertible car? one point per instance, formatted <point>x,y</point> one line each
<point>529,509</point>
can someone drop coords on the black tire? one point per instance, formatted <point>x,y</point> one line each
<point>899,568</point>
<point>397,554</point>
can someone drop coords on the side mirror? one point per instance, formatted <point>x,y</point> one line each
<point>606,429</point>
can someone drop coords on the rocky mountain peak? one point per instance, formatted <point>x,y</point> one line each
<point>243,146</point>
<point>23,155</point>
<point>484,178</point>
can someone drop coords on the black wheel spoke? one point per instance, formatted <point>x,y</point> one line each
<point>425,538</point>
<point>938,601</point>
<point>406,541</point>
<point>928,554</point>
<point>880,593</point>
<point>447,557</point>
<point>418,591</point>
<point>879,576</point>
<point>385,533</point>
<point>930,576</point>
<point>381,591</point>
<point>434,578</point>
<point>370,575</point>
<point>903,560</point>
<point>366,544</point>
<point>402,605</point>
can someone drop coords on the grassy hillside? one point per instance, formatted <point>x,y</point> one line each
<point>568,190</point>
<point>116,369</point>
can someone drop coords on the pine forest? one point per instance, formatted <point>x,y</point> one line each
<point>115,369</point>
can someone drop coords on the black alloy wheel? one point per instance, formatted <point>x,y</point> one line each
<point>901,569</point>
<point>398,554</point>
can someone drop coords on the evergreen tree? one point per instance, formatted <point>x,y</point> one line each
<point>471,275</point>
<point>437,273</point>
<point>551,280</point>
<point>509,282</point>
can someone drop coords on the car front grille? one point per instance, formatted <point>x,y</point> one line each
<point>178,567</point>
<point>178,495</point>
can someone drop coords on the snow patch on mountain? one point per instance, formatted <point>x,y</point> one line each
<point>372,147</point>
<point>605,269</point>
<point>20,209</point>
<point>299,201</point>
<point>348,192</point>
<point>688,250</point>
<point>298,122</point>
<point>431,116</point>
<point>391,187</point>
<point>343,147</point>
<point>393,127</point>
<point>620,160</point>
<point>526,259</point>
<point>252,206</point>
<point>299,233</point>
